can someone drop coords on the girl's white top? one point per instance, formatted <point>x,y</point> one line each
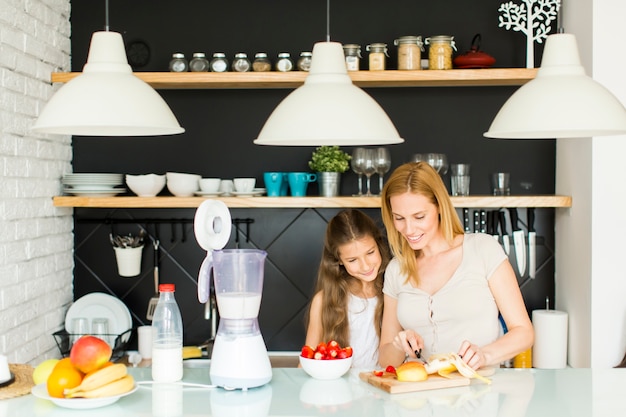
<point>363,337</point>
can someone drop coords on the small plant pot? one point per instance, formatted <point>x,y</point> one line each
<point>329,183</point>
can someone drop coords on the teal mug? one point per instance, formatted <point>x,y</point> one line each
<point>299,181</point>
<point>274,183</point>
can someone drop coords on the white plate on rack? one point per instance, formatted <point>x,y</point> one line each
<point>95,193</point>
<point>40,391</point>
<point>97,305</point>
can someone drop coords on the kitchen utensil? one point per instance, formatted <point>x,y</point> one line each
<point>476,221</point>
<point>483,221</point>
<point>474,58</point>
<point>532,237</point>
<point>505,237</point>
<point>518,241</point>
<point>155,298</point>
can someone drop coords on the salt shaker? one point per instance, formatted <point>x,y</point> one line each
<point>178,63</point>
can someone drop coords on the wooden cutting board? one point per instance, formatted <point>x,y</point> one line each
<point>390,384</point>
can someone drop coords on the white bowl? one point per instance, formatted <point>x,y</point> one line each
<point>182,185</point>
<point>210,185</point>
<point>148,185</point>
<point>244,185</point>
<point>326,368</point>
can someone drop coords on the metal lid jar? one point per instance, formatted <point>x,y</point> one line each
<point>409,52</point>
<point>261,62</point>
<point>304,62</point>
<point>284,63</point>
<point>378,52</point>
<point>353,56</point>
<point>219,63</point>
<point>199,63</point>
<point>241,62</point>
<point>178,63</point>
<point>440,52</point>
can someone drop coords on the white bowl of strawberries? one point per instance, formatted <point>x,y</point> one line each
<point>326,360</point>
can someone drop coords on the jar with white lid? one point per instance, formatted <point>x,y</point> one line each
<point>284,63</point>
<point>440,52</point>
<point>261,62</point>
<point>377,58</point>
<point>241,62</point>
<point>199,63</point>
<point>219,63</point>
<point>409,52</point>
<point>304,62</point>
<point>178,63</point>
<point>353,56</point>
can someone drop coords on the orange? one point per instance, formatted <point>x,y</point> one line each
<point>64,363</point>
<point>63,377</point>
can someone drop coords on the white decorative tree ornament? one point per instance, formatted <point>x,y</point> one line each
<point>532,18</point>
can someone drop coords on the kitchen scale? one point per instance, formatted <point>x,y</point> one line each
<point>239,358</point>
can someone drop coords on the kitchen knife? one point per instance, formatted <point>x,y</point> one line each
<point>476,221</point>
<point>483,221</point>
<point>532,236</point>
<point>492,222</point>
<point>505,237</point>
<point>518,241</point>
<point>466,220</point>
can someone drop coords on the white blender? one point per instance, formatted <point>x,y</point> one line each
<point>239,359</point>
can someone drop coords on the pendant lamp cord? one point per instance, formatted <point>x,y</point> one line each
<point>106,15</point>
<point>327,20</point>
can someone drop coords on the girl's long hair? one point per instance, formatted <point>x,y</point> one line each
<point>335,282</point>
<point>417,178</point>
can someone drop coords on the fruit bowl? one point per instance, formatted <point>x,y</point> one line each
<point>326,368</point>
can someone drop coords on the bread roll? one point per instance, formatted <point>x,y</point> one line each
<point>411,372</point>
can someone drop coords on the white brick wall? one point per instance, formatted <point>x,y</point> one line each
<point>36,240</point>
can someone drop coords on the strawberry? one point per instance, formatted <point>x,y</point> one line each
<point>318,355</point>
<point>307,352</point>
<point>322,348</point>
<point>333,352</point>
<point>378,373</point>
<point>333,344</point>
<point>348,351</point>
<point>390,369</point>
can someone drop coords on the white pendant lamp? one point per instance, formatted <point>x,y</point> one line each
<point>561,102</point>
<point>328,109</point>
<point>107,99</point>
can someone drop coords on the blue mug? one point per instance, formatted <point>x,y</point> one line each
<point>274,183</point>
<point>284,188</point>
<point>299,181</point>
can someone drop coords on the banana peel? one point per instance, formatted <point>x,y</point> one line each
<point>446,363</point>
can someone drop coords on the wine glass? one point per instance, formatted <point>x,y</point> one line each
<point>369,169</point>
<point>358,161</point>
<point>382,162</point>
<point>439,161</point>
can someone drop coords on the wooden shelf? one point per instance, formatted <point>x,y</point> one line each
<point>293,79</point>
<point>485,201</point>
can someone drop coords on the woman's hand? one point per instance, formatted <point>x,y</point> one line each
<point>408,341</point>
<point>472,355</point>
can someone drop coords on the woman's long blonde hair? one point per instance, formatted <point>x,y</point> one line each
<point>417,178</point>
<point>335,282</point>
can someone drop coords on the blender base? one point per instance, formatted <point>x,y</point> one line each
<point>240,362</point>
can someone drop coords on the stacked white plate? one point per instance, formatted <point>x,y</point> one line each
<point>93,184</point>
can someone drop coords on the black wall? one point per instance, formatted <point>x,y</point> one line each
<point>221,124</point>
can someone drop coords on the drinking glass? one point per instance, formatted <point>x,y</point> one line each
<point>80,327</point>
<point>358,161</point>
<point>369,169</point>
<point>100,328</point>
<point>382,162</point>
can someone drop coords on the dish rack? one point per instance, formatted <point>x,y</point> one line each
<point>64,341</point>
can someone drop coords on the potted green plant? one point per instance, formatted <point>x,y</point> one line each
<point>329,162</point>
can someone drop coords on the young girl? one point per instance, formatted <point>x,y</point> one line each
<point>348,302</point>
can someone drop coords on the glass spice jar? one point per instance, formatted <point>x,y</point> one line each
<point>378,52</point>
<point>440,52</point>
<point>178,63</point>
<point>199,63</point>
<point>409,52</point>
<point>219,63</point>
<point>261,62</point>
<point>304,62</point>
<point>284,63</point>
<point>241,62</point>
<point>353,56</point>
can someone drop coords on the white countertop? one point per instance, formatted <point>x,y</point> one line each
<point>514,392</point>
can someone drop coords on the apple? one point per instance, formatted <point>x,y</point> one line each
<point>90,353</point>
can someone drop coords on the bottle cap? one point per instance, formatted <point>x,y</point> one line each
<point>167,287</point>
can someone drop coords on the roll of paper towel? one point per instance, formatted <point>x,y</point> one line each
<point>550,348</point>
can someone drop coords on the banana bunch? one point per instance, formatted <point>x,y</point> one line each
<point>105,382</point>
<point>445,363</point>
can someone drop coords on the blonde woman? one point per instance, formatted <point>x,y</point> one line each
<point>444,289</point>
